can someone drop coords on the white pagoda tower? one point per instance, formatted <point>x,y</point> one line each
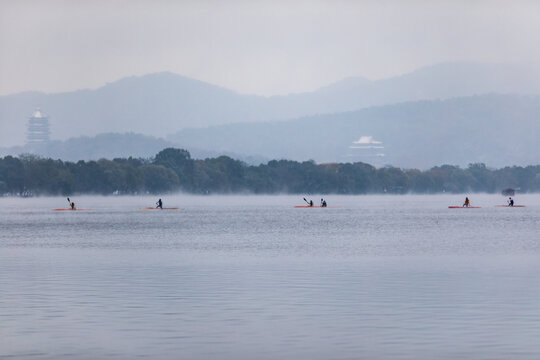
<point>38,128</point>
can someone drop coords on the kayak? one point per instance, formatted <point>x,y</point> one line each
<point>153,208</point>
<point>70,209</point>
<point>510,206</point>
<point>306,206</point>
<point>464,207</point>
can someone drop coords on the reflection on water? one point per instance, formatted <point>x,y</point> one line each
<point>232,277</point>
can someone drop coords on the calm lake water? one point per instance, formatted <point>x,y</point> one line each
<point>252,277</point>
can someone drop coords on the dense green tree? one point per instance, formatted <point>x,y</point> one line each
<point>180,162</point>
<point>12,174</point>
<point>159,179</point>
<point>483,178</point>
<point>421,182</point>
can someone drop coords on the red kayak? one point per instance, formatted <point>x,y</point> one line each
<point>153,208</point>
<point>464,207</point>
<point>307,206</point>
<point>510,206</point>
<point>71,209</point>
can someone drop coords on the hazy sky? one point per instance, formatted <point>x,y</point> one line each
<point>261,47</point>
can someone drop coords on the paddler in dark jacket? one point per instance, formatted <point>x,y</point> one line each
<point>323,203</point>
<point>159,204</point>
<point>510,201</point>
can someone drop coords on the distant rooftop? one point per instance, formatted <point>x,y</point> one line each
<point>38,113</point>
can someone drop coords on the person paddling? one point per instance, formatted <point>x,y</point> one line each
<point>467,202</point>
<point>323,203</point>
<point>310,202</point>
<point>510,201</point>
<point>159,204</point>
<point>71,204</point>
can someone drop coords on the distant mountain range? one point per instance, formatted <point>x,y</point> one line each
<point>108,145</point>
<point>497,130</point>
<point>164,103</point>
<point>113,145</point>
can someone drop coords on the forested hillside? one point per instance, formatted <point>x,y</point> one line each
<point>498,130</point>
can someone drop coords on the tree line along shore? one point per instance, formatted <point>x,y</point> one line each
<point>174,170</point>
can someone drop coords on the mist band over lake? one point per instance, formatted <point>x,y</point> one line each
<point>243,277</point>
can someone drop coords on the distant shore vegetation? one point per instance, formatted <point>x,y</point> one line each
<point>174,170</point>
